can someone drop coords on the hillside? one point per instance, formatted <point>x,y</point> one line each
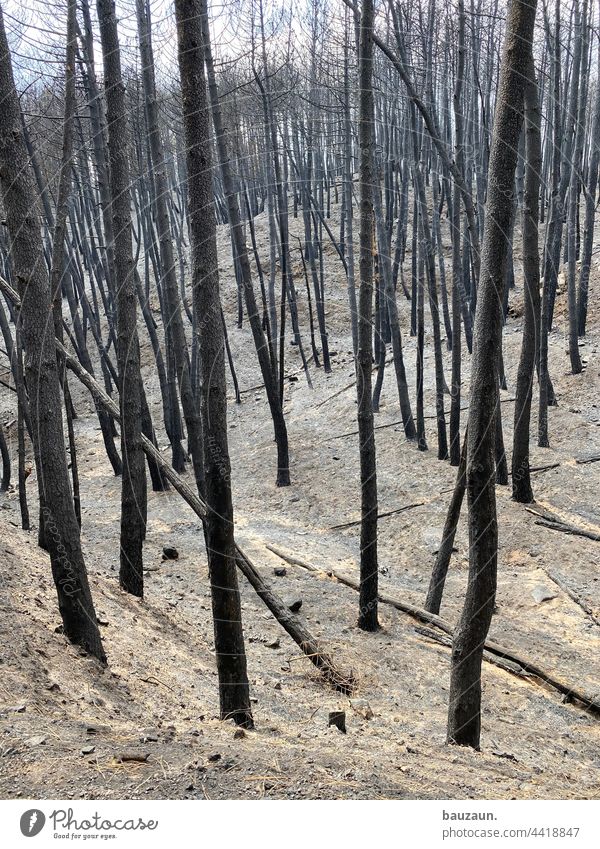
<point>65,722</point>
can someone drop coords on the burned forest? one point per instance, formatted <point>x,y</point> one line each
<point>300,399</point>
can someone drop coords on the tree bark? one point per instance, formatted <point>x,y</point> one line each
<point>241,257</point>
<point>464,713</point>
<point>234,691</point>
<point>367,618</point>
<point>60,523</point>
<point>133,487</point>
<point>521,479</point>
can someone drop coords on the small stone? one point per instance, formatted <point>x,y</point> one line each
<point>280,571</point>
<point>35,741</point>
<point>97,729</point>
<point>541,594</point>
<point>277,685</point>
<point>362,707</point>
<point>101,621</point>
<point>170,553</point>
<point>295,605</point>
<point>214,757</point>
<point>273,644</point>
<point>294,499</point>
<point>239,734</point>
<point>337,718</point>
<point>139,757</point>
<point>149,738</point>
<point>88,750</point>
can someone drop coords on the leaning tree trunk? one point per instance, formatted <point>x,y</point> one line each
<point>234,691</point>
<point>22,218</point>
<point>367,618</point>
<point>464,712</point>
<point>133,489</point>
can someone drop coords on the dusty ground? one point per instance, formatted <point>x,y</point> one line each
<point>64,722</point>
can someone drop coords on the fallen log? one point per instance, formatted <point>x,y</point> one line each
<point>567,529</point>
<point>570,694</point>
<point>592,458</point>
<point>444,640</point>
<point>548,520</point>
<point>545,468</point>
<point>293,624</point>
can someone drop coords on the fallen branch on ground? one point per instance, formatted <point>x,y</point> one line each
<point>344,388</point>
<point>444,640</point>
<point>548,520</point>
<point>593,458</point>
<point>582,603</point>
<point>571,694</point>
<point>379,516</point>
<point>399,422</point>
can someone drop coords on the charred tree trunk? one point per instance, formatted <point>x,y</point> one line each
<point>521,478</point>
<point>133,489</point>
<point>464,713</point>
<point>241,257</point>
<point>173,320</point>
<point>234,692</point>
<point>60,523</point>
<point>367,619</point>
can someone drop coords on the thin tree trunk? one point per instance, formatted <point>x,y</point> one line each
<point>263,349</point>
<point>133,488</point>
<point>367,618</point>
<point>521,479</point>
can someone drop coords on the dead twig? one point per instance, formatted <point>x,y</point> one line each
<point>379,516</point>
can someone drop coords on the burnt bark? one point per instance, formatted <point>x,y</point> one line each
<point>521,478</point>
<point>367,619</point>
<point>464,712</point>
<point>234,691</point>
<point>41,368</point>
<point>133,488</point>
